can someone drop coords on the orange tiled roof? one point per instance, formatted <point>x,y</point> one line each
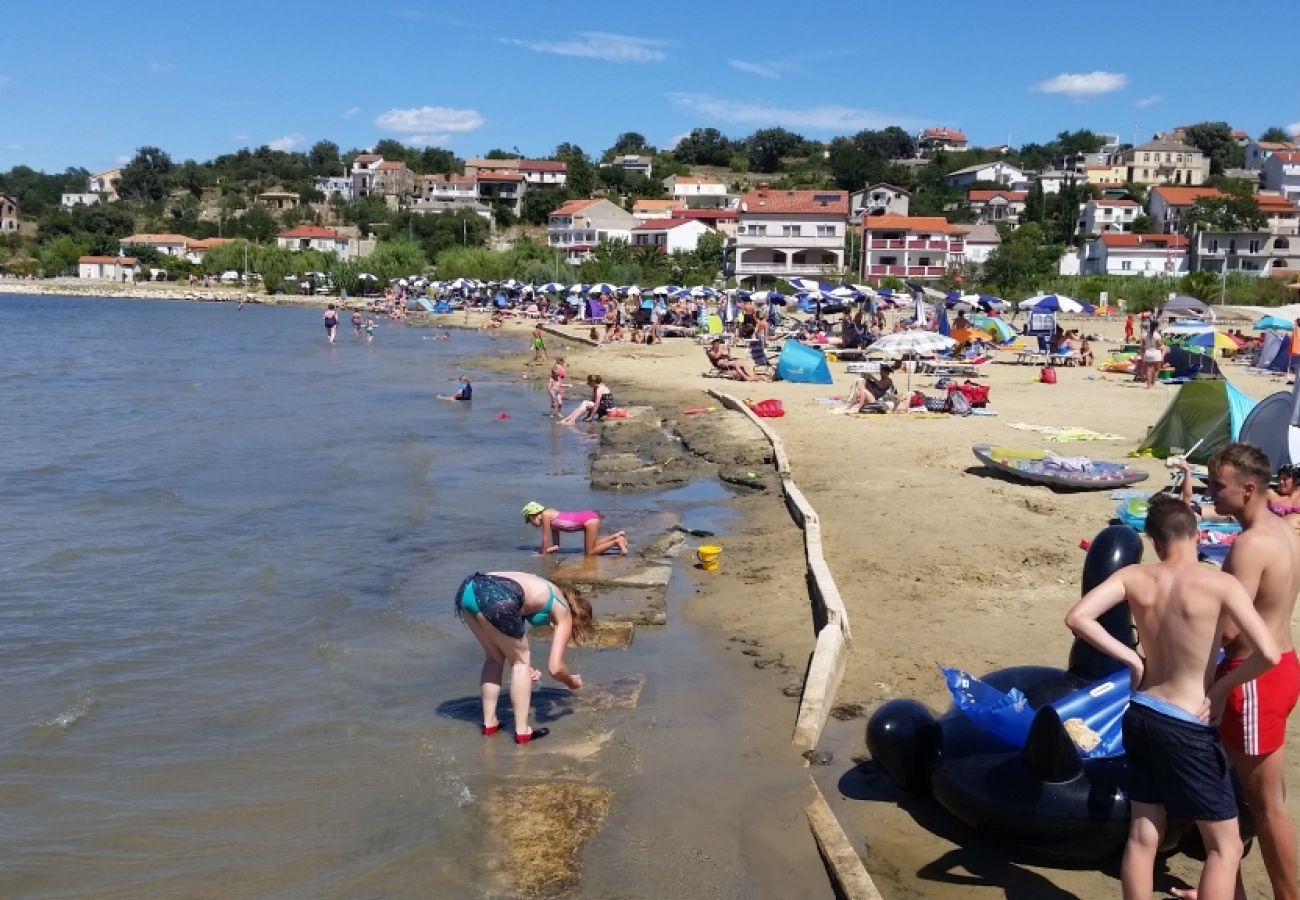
<point>573,206</point>
<point>313,231</point>
<point>1185,196</point>
<point>155,239</point>
<point>1117,202</point>
<point>660,224</point>
<point>499,176</point>
<point>123,260</point>
<point>543,165</point>
<point>1288,156</point>
<point>645,205</point>
<point>943,134</point>
<point>765,201</point>
<point>1160,242</point>
<point>1275,145</point>
<point>209,243</point>
<point>1274,203</point>
<point>927,224</point>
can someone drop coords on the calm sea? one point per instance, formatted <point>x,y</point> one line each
<point>226,558</point>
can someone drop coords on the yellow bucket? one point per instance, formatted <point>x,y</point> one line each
<point>708,557</point>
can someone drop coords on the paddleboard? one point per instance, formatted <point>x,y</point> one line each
<point>1027,465</point>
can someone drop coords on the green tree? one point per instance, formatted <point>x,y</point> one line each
<point>705,147</point>
<point>539,202</point>
<point>1082,141</point>
<point>1035,204</point>
<point>324,159</point>
<point>436,160</point>
<point>1216,141</point>
<point>258,224</point>
<point>396,259</point>
<point>59,256</point>
<point>1227,213</point>
<point>1023,260</point>
<point>709,248</point>
<point>629,142</point>
<point>581,179</point>
<point>1274,134</point>
<point>498,153</point>
<point>147,177</point>
<point>365,211</point>
<point>768,146</point>
<point>1142,224</point>
<point>886,144</point>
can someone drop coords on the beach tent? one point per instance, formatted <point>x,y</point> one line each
<point>1192,362</point>
<point>802,365</point>
<point>1203,415</point>
<point>1275,355</point>
<point>1184,305</point>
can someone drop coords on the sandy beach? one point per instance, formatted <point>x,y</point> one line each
<point>939,562</point>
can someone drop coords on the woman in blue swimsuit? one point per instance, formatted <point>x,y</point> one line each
<point>498,607</point>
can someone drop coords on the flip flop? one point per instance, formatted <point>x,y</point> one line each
<point>491,729</point>
<point>535,735</point>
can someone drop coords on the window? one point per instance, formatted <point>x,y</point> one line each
<point>826,231</point>
<point>1214,246</point>
<point>889,260</point>
<point>1232,246</point>
<point>1281,244</point>
<point>1254,247</point>
<point>791,230</point>
<point>1126,266</point>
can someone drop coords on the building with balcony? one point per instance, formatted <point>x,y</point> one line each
<point>579,225</point>
<point>474,165</point>
<point>1147,255</point>
<point>980,242</point>
<point>997,172</point>
<point>631,162</point>
<point>329,185</point>
<point>166,244</point>
<point>997,206</point>
<point>1105,175</point>
<point>646,210</point>
<point>441,190</point>
<point>933,139</point>
<point>669,235</point>
<point>1281,174</point>
<point>697,191</point>
<point>1165,162</point>
<point>785,234</point>
<point>316,237</point>
<point>1258,152</point>
<point>1167,206</point>
<point>372,174</point>
<point>544,172</point>
<point>502,189</point>
<point>723,221</point>
<point>1248,252</point>
<point>879,199</point>
<point>1102,216</point>
<point>910,246</point>
<point>8,214</point>
<point>108,268</point>
<point>1283,216</point>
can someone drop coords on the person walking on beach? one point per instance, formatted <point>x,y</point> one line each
<point>331,323</point>
<point>1265,559</point>
<point>555,387</point>
<point>1176,764</point>
<point>1153,352</point>
<point>553,522</point>
<point>497,607</point>
<point>539,344</point>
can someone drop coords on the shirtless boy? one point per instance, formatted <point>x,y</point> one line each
<point>1265,558</point>
<point>1176,764</point>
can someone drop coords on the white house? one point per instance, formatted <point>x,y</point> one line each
<point>788,233</point>
<point>1148,255</point>
<point>1166,162</point>
<point>1101,216</point>
<point>67,201</point>
<point>579,225</point>
<point>997,172</point>
<point>1282,214</point>
<point>1258,152</point>
<point>1281,174</point>
<point>642,165</point>
<point>910,246</point>
<point>1166,205</point>
<point>941,139</point>
<point>195,250</point>
<point>167,244</point>
<point>329,185</point>
<point>646,209</point>
<point>997,206</point>
<point>980,242</point>
<point>879,200</point>
<point>431,190</point>
<point>1052,180</point>
<point>316,237</point>
<point>1249,252</point>
<point>108,268</point>
<point>697,191</point>
<point>669,235</point>
<point>544,172</point>
<point>8,213</point>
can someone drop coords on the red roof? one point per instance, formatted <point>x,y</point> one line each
<point>924,224</point>
<point>943,134</point>
<point>1122,201</point>
<point>573,206</point>
<point>1288,156</point>
<point>766,201</point>
<point>209,243</point>
<point>705,214</point>
<point>500,176</point>
<point>155,239</point>
<point>1185,196</point>
<point>463,180</point>
<point>661,224</point>
<point>313,231</point>
<point>985,196</point>
<point>390,165</point>
<point>1160,242</point>
<point>1276,145</point>
<point>124,260</point>
<point>367,158</point>
<point>543,165</point>
<point>1274,203</point>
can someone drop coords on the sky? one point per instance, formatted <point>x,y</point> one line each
<point>86,84</point>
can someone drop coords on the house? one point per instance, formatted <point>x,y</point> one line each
<point>910,246</point>
<point>278,199</point>
<point>441,190</point>
<point>980,242</point>
<point>1167,205</point>
<point>669,235</point>
<point>104,183</point>
<point>316,237</point>
<point>372,174</point>
<point>1105,174</point>
<point>784,234</point>
<point>697,191</point>
<point>879,200</point>
<point>631,162</point>
<point>1282,214</point>
<point>1281,174</point>
<point>544,172</point>
<point>196,249</point>
<point>8,214</point>
<point>645,210</point>
<point>1258,152</point>
<point>329,185</point>
<point>579,225</point>
<point>501,189</point>
<point>1052,180</point>
<point>108,268</point>
<point>167,244</point>
<point>724,221</point>
<point>997,206</point>
<point>997,172</point>
<point>86,198</point>
<point>1249,252</point>
<point>1148,255</point>
<point>1165,162</point>
<point>1102,216</point>
<point>474,165</point>
<point>941,139</point>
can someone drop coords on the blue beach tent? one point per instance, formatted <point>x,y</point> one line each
<point>1275,355</point>
<point>801,364</point>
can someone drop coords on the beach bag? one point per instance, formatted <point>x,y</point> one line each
<point>958,405</point>
<point>916,401</point>
<point>1049,375</point>
<point>768,409</point>
<point>977,394</point>
<point>936,404</point>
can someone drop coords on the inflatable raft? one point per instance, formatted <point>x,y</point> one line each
<point>1038,467</point>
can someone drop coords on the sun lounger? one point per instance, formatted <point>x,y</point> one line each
<point>963,367</point>
<point>1031,358</point>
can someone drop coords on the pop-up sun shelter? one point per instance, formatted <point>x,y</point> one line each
<point>802,364</point>
<point>1203,415</point>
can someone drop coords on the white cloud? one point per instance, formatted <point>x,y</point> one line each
<point>350,112</point>
<point>753,68</point>
<point>14,148</point>
<point>814,118</point>
<point>672,142</point>
<point>618,48</point>
<point>288,142</point>
<point>1083,85</point>
<point>161,68</point>
<point>1148,101</point>
<point>239,136</point>
<point>1293,129</point>
<point>429,124</point>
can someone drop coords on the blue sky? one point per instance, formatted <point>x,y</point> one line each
<point>85,84</point>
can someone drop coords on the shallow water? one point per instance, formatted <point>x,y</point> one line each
<point>225,619</point>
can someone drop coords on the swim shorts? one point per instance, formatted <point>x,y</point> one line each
<point>499,600</point>
<point>1254,719</point>
<point>538,344</point>
<point>1177,764</point>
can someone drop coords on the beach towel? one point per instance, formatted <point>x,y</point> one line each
<point>1067,433</point>
<point>1072,465</point>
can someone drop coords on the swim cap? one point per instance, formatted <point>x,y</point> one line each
<point>531,509</point>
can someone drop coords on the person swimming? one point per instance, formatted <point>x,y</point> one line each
<point>553,522</point>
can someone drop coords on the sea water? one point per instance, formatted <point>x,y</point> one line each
<point>227,556</point>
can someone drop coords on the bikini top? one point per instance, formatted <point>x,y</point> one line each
<point>542,617</point>
<point>1281,509</point>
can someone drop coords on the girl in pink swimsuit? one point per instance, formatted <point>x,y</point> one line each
<point>554,521</point>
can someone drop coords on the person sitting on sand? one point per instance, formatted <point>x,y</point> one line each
<point>553,522</point>
<point>497,607</point>
<point>464,394</point>
<point>601,402</point>
<point>880,391</point>
<point>722,361</point>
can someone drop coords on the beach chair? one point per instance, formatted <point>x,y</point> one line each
<point>758,353</point>
<point>716,371</point>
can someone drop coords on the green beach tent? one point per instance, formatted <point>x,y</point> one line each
<point>1203,414</point>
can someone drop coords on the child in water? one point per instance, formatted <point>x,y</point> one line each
<point>555,387</point>
<point>370,330</point>
<point>554,521</point>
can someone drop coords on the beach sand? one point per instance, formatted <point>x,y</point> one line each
<point>939,563</point>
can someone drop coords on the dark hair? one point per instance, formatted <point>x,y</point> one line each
<point>1169,519</point>
<point>1247,460</point>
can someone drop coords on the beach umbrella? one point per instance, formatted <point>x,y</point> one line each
<point>769,297</point>
<point>989,302</point>
<point>551,287</point>
<point>1053,303</point>
<point>913,343</point>
<point>743,294</point>
<point>1272,323</point>
<point>633,290</point>
<point>1214,341</point>
<point>811,284</point>
<point>601,287</point>
<point>844,292</point>
<point>578,289</point>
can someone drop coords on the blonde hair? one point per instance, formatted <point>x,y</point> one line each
<point>584,620</point>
